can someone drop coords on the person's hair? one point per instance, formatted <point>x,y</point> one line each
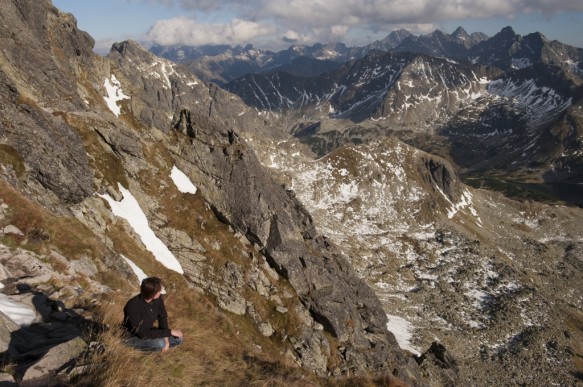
<point>150,286</point>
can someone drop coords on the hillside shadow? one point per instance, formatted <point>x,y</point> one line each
<point>29,344</point>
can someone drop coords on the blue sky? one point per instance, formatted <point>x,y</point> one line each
<point>265,23</point>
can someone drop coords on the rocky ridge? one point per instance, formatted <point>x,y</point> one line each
<point>523,124</point>
<point>493,280</point>
<point>222,64</point>
<point>78,129</point>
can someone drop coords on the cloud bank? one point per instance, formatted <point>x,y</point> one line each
<point>274,22</point>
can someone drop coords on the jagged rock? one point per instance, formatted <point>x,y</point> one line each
<point>121,141</point>
<point>443,176</point>
<point>84,266</point>
<point>229,297</point>
<point>55,359</point>
<point>439,366</point>
<point>53,151</point>
<point>186,249</point>
<point>278,223</point>
<point>7,379</point>
<point>258,281</point>
<point>7,326</point>
<point>313,352</point>
<point>23,263</point>
<point>4,272</point>
<point>233,303</point>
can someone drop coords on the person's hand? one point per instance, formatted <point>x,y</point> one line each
<point>176,333</point>
<point>166,344</point>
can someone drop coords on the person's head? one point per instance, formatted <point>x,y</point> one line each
<point>150,287</point>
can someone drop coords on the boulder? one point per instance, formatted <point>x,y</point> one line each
<point>7,326</point>
<point>439,366</point>
<point>56,358</point>
<point>10,229</point>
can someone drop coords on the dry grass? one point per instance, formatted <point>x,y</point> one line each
<point>214,352</point>
<point>367,381</point>
<point>9,156</point>
<point>574,322</point>
<point>218,351</point>
<point>44,229</point>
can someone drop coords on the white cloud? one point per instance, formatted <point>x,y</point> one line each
<point>309,21</point>
<point>190,32</point>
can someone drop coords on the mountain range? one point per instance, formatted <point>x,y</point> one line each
<point>506,108</point>
<point>328,234</point>
<point>223,63</point>
<point>503,113</point>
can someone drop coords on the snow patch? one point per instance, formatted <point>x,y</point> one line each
<point>16,311</point>
<point>114,94</point>
<point>403,331</point>
<point>137,271</point>
<point>182,181</point>
<point>129,209</point>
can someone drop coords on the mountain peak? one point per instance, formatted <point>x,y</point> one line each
<point>460,32</point>
<point>395,38</point>
<point>126,46</point>
<point>507,31</point>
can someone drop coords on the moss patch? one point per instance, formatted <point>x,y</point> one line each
<point>9,156</point>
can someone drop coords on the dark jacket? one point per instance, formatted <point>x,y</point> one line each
<point>140,316</point>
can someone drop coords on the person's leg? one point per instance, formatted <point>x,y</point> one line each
<point>153,345</point>
<point>174,341</point>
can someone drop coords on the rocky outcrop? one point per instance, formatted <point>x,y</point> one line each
<point>244,196</point>
<point>439,366</point>
<point>440,174</point>
<point>248,199</point>
<point>74,137</point>
<point>42,338</point>
<point>51,149</point>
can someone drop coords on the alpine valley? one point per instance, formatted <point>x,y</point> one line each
<point>404,213</point>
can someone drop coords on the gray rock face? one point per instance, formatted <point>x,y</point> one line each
<point>7,326</point>
<point>55,358</point>
<point>242,194</point>
<point>443,176</point>
<point>251,202</point>
<point>55,117</point>
<point>52,150</point>
<point>439,366</point>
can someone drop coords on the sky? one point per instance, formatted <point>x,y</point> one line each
<point>275,24</point>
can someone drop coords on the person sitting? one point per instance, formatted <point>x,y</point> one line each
<point>140,316</point>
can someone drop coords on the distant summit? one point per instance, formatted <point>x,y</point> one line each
<point>223,63</point>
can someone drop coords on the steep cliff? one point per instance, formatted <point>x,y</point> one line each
<point>82,134</point>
